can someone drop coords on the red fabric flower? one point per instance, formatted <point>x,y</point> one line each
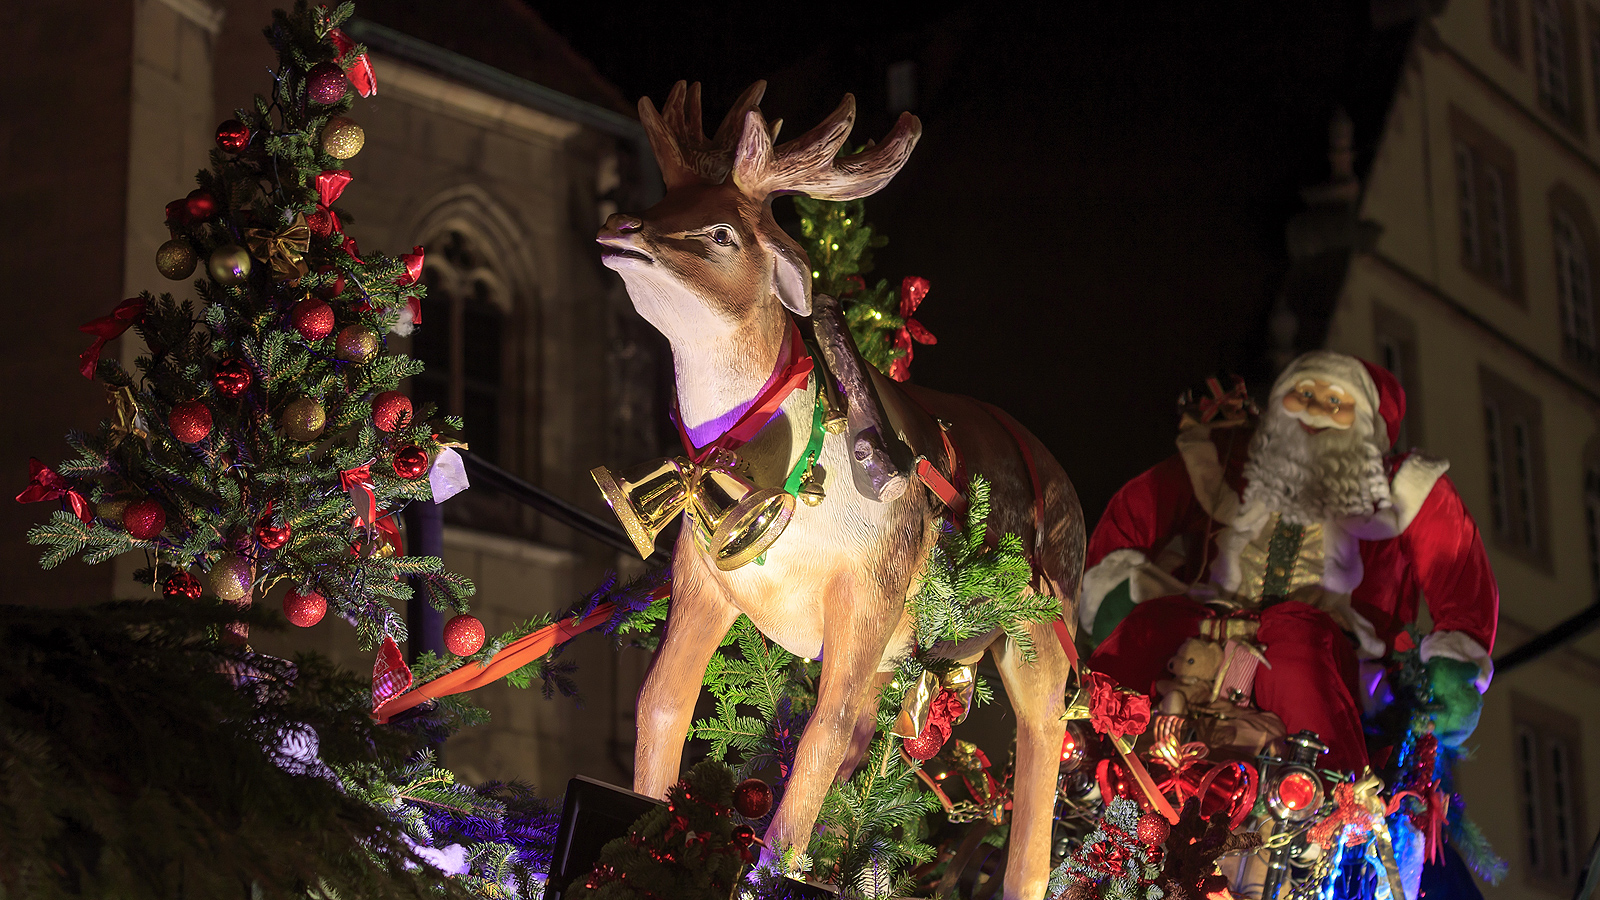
<point>1115,711</point>
<point>912,290</point>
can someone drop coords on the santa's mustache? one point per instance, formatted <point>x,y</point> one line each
<point>1315,420</point>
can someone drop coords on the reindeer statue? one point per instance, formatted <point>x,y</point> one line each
<point>710,268</point>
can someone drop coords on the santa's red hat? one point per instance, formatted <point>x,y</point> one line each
<point>1375,386</point>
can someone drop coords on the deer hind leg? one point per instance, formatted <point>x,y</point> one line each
<point>856,630</point>
<point>1037,691</point>
<point>698,619</point>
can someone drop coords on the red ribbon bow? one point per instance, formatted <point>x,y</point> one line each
<point>942,713</point>
<point>360,71</point>
<point>1114,711</point>
<point>351,250</point>
<point>46,484</point>
<point>912,290</point>
<point>413,264</point>
<point>358,481</point>
<point>330,184</point>
<point>107,328</point>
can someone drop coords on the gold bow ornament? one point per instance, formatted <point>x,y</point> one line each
<point>731,519</point>
<point>918,702</point>
<point>284,249</point>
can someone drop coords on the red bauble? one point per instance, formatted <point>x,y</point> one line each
<point>271,536</point>
<point>411,462</point>
<point>330,289</point>
<point>306,609</point>
<point>233,136</point>
<point>201,205</point>
<point>181,585</point>
<point>390,410</point>
<point>463,635</point>
<point>178,212</point>
<point>1153,829</point>
<point>752,798</point>
<point>312,318</point>
<point>326,84</point>
<point>320,222</point>
<point>190,421</point>
<point>232,377</point>
<point>144,520</point>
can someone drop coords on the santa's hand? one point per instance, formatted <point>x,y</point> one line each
<point>1457,703</point>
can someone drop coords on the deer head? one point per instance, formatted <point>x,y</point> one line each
<point>708,262</point>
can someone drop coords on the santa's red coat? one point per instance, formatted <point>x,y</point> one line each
<point>1439,556</point>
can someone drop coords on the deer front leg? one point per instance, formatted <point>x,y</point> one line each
<point>853,642</point>
<point>1037,693</point>
<point>696,623</point>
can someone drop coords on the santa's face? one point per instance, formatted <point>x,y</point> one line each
<point>1319,405</point>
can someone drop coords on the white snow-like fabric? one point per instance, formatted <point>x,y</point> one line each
<point>1458,645</point>
<point>448,477</point>
<point>1117,567</point>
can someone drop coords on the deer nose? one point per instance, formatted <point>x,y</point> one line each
<point>622,223</point>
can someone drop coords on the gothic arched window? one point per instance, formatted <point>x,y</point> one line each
<point>462,341</point>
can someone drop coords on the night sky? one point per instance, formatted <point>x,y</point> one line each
<point>1100,194</point>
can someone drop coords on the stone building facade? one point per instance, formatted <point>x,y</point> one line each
<point>1471,274</point>
<point>503,172</point>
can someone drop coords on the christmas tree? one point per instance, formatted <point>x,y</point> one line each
<point>688,849</point>
<point>839,242</point>
<point>262,439</point>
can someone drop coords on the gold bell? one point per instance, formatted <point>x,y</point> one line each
<point>734,520</point>
<point>646,498</point>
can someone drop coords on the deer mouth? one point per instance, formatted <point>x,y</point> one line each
<point>609,252</point>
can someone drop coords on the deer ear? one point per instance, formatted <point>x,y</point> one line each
<point>791,277</point>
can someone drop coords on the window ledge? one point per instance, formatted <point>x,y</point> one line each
<point>505,547</point>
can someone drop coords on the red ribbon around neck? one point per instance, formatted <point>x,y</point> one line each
<point>108,328</point>
<point>761,411</point>
<point>358,481</point>
<point>912,289</point>
<point>45,483</point>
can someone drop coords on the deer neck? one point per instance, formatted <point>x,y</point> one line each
<point>719,378</point>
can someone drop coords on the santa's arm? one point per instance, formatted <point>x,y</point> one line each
<point>1447,554</point>
<point>1137,523</point>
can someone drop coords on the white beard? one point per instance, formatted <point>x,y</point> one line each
<point>1313,479</point>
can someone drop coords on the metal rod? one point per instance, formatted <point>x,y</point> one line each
<point>488,475</point>
<point>1567,631</point>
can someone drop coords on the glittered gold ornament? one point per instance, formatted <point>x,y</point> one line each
<point>176,259</point>
<point>230,578</point>
<point>229,264</point>
<point>304,419</point>
<point>356,344</point>
<point>342,138</point>
<point>111,509</point>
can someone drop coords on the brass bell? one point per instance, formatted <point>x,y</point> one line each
<point>812,494</point>
<point>734,520</point>
<point>646,498</point>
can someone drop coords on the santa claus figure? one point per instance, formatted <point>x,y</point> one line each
<point>1313,546</point>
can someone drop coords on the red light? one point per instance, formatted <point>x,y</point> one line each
<point>1297,790</point>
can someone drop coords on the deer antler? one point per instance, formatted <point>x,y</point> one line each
<point>810,164</point>
<point>679,140</point>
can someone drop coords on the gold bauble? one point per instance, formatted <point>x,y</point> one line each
<point>176,259</point>
<point>342,138</point>
<point>230,578</point>
<point>230,264</point>
<point>357,344</point>
<point>110,509</point>
<point>304,419</point>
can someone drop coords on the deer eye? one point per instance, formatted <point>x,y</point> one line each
<point>722,235</point>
